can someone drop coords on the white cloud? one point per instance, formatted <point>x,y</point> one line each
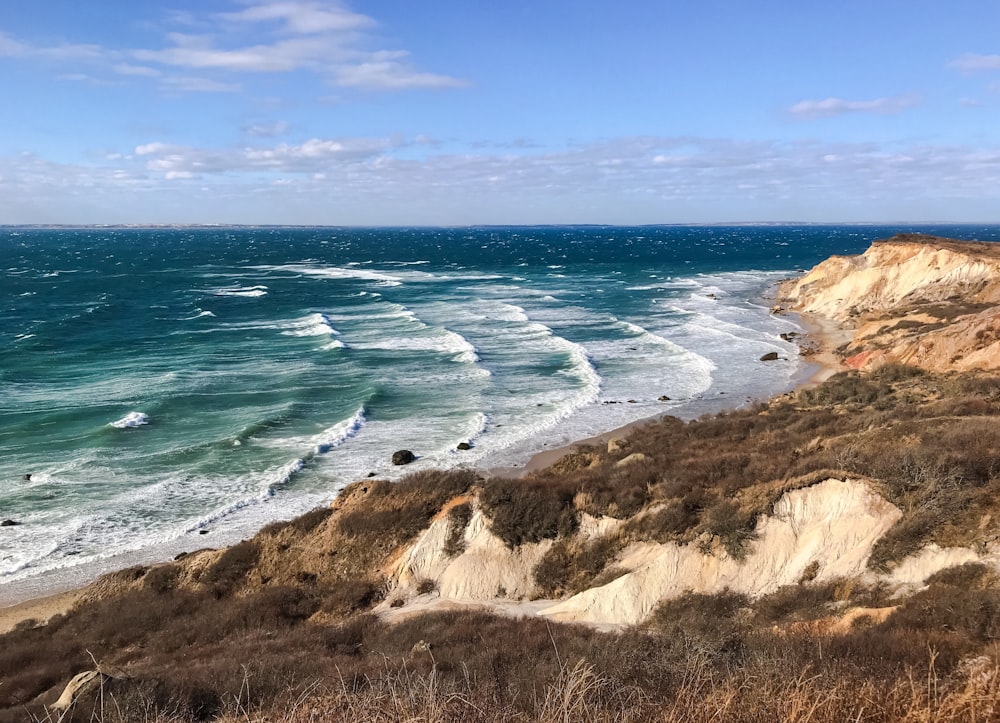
<point>325,38</point>
<point>683,167</point>
<point>322,37</point>
<point>71,52</point>
<point>12,48</point>
<point>268,130</point>
<point>313,156</point>
<point>388,74</point>
<point>973,62</point>
<point>136,70</point>
<point>304,17</point>
<point>196,51</point>
<point>629,180</point>
<point>186,84</point>
<point>812,109</point>
<point>152,148</point>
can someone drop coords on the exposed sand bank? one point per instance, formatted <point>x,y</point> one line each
<point>40,609</point>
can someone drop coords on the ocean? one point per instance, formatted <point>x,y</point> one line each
<point>166,389</point>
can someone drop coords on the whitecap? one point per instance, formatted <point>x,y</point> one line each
<point>339,433</point>
<point>244,291</point>
<point>283,475</point>
<point>130,420</point>
<point>445,342</point>
<point>312,325</point>
<point>339,272</point>
<point>198,315</point>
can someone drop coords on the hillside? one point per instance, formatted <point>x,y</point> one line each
<point>832,554</point>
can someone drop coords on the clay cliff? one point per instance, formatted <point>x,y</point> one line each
<point>921,300</point>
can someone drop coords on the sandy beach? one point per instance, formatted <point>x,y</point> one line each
<point>818,344</point>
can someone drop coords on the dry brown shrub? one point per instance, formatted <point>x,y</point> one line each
<point>394,512</point>
<point>967,576</point>
<point>733,527</point>
<point>670,522</point>
<point>459,517</point>
<point>231,569</point>
<point>793,603</point>
<point>162,578</point>
<point>523,511</point>
<point>309,521</point>
<point>350,596</point>
<point>974,614</point>
<point>571,567</point>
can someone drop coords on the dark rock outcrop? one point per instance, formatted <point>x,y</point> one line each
<point>403,456</point>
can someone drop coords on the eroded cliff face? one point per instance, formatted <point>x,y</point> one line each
<point>823,532</point>
<point>920,300</point>
<point>830,526</point>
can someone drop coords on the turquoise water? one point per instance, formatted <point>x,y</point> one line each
<point>158,384</point>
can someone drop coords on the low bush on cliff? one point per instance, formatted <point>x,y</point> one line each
<point>402,509</point>
<point>232,567</point>
<point>733,527</point>
<point>850,388</point>
<point>459,517</point>
<point>896,425</point>
<point>670,521</point>
<point>895,372</point>
<point>523,511</point>
<point>566,569</point>
<point>942,472</point>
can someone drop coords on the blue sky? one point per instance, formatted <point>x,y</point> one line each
<point>392,112</point>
